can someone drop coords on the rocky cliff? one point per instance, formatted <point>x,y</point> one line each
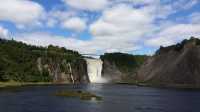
<point>25,63</point>
<point>63,71</point>
<point>111,72</point>
<point>176,65</point>
<point>121,67</point>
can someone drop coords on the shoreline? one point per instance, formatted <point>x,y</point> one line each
<point>176,86</point>
<point>163,86</point>
<point>20,84</point>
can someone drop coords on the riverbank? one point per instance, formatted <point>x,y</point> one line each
<point>167,86</point>
<point>174,86</point>
<point>18,84</point>
<point>171,86</point>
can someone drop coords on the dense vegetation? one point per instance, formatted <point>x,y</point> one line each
<point>125,62</point>
<point>18,61</point>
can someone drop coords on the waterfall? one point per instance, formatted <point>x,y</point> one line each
<point>94,68</point>
<point>70,71</point>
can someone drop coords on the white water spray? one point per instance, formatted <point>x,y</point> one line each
<point>94,68</point>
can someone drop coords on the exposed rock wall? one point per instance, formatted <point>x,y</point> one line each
<point>177,65</point>
<point>62,71</point>
<point>111,72</point>
<point>79,71</point>
<point>121,67</point>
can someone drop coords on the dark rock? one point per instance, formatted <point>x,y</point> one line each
<point>79,71</point>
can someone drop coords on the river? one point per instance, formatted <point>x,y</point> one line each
<point>116,98</point>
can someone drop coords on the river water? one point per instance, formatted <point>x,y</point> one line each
<point>116,98</point>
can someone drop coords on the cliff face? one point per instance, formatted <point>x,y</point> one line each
<point>121,67</point>
<point>79,71</point>
<point>177,65</point>
<point>62,71</point>
<point>25,63</point>
<point>111,72</point>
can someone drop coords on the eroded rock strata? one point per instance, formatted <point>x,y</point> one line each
<point>176,65</point>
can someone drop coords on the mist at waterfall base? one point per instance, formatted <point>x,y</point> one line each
<point>94,69</point>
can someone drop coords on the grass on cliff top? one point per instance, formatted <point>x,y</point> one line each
<point>83,95</point>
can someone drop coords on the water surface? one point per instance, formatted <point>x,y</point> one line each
<point>116,98</point>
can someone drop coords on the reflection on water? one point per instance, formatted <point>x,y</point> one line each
<point>116,98</point>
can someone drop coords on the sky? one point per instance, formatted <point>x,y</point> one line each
<point>100,26</point>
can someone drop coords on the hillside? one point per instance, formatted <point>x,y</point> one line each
<point>176,65</point>
<point>121,67</point>
<point>25,63</point>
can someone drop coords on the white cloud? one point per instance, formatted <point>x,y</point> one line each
<point>75,23</point>
<point>184,4</point>
<point>20,11</point>
<point>121,19</point>
<point>41,39</point>
<point>159,41</point>
<point>45,39</point>
<point>177,5</point>
<point>57,17</point>
<point>121,27</point>
<point>89,46</point>
<point>60,15</point>
<point>4,33</point>
<point>174,33</point>
<point>92,5</point>
<point>51,22</point>
<point>100,45</point>
<point>134,2</point>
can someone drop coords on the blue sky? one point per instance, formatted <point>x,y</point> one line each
<point>99,26</point>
